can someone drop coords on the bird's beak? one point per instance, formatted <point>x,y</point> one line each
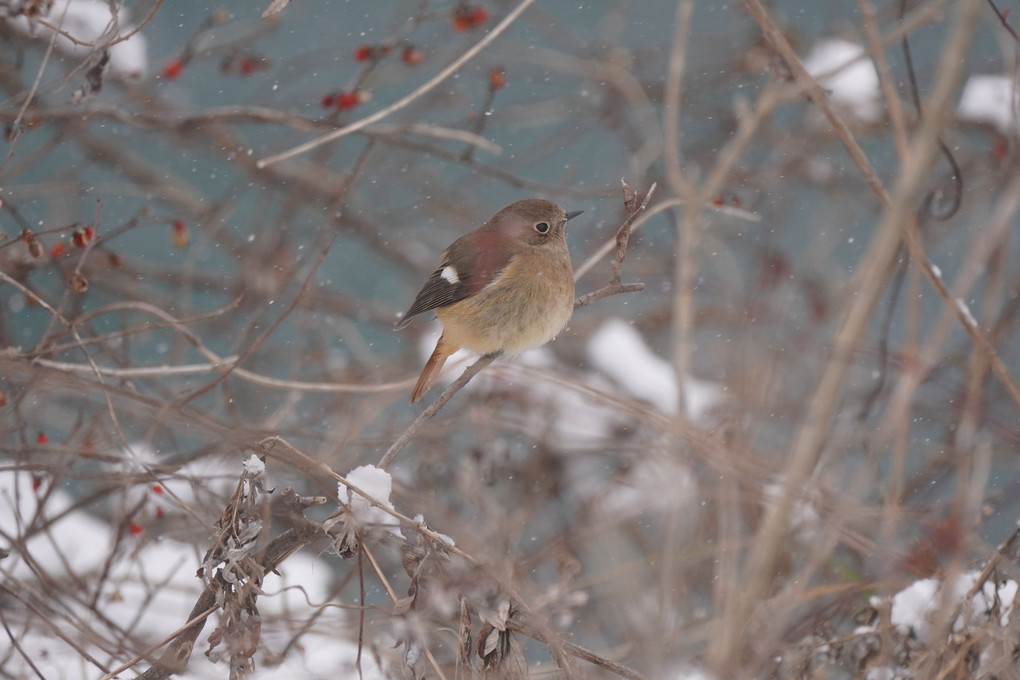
<point>573,213</point>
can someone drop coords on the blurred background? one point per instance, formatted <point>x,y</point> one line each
<point>166,303</point>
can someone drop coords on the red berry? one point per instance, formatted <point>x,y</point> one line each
<point>173,70</point>
<point>248,66</point>
<point>718,201</point>
<point>136,529</point>
<point>42,438</point>
<point>364,53</point>
<point>82,236</point>
<point>328,100</point>
<point>159,513</point>
<point>36,482</point>
<point>468,16</point>
<point>347,100</point>
<point>3,399</point>
<point>114,259</point>
<point>1000,148</point>
<point>157,489</point>
<point>478,15</point>
<point>59,249</point>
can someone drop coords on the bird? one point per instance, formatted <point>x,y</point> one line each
<point>507,286</point>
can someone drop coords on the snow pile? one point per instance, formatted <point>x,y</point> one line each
<point>654,484</point>
<point>90,21</point>
<point>990,100</point>
<point>842,68</point>
<point>76,534</point>
<point>618,351</point>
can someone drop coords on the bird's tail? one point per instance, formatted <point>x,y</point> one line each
<point>433,366</point>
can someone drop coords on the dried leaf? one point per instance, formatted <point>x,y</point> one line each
<point>464,633</point>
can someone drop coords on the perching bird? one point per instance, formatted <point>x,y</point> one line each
<point>505,287</point>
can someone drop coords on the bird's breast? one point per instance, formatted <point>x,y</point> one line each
<point>526,306</point>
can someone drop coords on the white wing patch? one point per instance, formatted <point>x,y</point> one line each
<point>450,274</point>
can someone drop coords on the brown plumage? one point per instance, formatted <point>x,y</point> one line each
<point>505,287</point>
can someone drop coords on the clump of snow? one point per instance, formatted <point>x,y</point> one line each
<point>990,100</point>
<point>378,484</point>
<point>841,67</point>
<point>618,350</point>
<point>90,21</point>
<point>253,466</point>
<point>913,607</point>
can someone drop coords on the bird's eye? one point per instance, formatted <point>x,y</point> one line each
<point>542,227</point>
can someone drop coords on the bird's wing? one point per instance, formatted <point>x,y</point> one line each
<point>470,264</point>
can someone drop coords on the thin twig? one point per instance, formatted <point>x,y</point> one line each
<point>579,652</point>
<point>433,408</point>
<point>404,101</point>
<point>623,234</point>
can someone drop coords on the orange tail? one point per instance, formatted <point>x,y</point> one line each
<point>430,373</point>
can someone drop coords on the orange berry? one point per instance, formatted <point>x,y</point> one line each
<point>412,56</point>
<point>35,246</point>
<point>42,438</point>
<point>78,283</point>
<point>179,234</point>
<point>497,78</point>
